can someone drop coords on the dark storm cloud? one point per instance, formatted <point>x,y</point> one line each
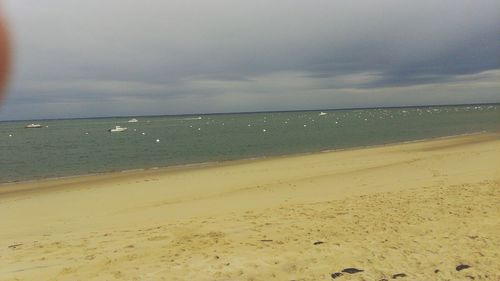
<point>230,55</point>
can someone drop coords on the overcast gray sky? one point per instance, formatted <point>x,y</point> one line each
<point>123,57</point>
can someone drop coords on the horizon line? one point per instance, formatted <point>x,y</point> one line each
<point>254,112</point>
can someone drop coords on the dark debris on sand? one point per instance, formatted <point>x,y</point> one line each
<point>13,246</point>
<point>352,270</point>
<point>336,274</point>
<point>398,275</point>
<point>462,267</point>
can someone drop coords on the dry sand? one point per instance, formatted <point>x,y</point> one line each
<point>419,209</point>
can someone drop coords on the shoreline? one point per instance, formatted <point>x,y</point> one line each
<point>9,184</point>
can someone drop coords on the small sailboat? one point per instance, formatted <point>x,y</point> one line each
<point>33,126</point>
<point>322,113</point>
<point>117,129</point>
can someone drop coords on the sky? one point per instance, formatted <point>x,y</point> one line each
<point>156,57</point>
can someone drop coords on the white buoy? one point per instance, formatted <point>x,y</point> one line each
<point>10,135</point>
<point>249,125</point>
<point>264,130</point>
<point>86,133</point>
<point>199,129</point>
<point>143,133</point>
<point>305,125</point>
<point>157,140</point>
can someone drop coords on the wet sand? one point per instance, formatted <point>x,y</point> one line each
<point>415,211</point>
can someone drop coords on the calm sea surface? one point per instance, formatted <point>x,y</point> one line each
<point>83,146</point>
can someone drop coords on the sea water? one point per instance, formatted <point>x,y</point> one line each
<point>84,146</point>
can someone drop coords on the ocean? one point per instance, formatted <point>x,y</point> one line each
<point>84,146</point>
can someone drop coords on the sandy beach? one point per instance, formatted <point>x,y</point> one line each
<point>427,210</point>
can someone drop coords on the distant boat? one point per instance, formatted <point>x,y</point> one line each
<point>133,120</point>
<point>117,129</point>
<point>322,113</point>
<point>192,118</point>
<point>33,126</point>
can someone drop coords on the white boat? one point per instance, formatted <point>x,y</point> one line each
<point>133,120</point>
<point>322,113</point>
<point>117,129</point>
<point>33,126</point>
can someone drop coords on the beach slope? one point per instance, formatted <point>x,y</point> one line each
<point>427,210</point>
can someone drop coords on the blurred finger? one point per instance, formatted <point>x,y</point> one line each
<point>4,56</point>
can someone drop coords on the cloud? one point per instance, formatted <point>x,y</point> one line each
<point>204,56</point>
